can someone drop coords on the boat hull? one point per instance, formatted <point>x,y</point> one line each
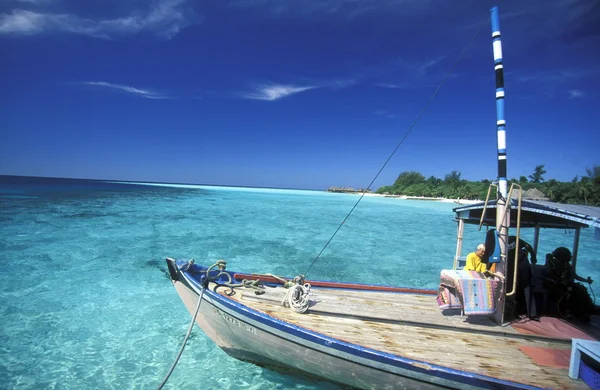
<point>256,337</point>
<point>244,339</point>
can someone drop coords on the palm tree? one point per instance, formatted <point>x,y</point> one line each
<point>537,175</point>
<point>583,191</point>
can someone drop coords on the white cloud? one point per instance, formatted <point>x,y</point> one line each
<point>550,75</point>
<point>391,85</point>
<point>385,114</point>
<point>576,93</point>
<point>37,2</point>
<point>165,19</point>
<point>342,83</point>
<point>410,74</point>
<point>346,9</point>
<point>274,91</point>
<point>145,93</point>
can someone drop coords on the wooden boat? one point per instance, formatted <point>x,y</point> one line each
<point>385,337</point>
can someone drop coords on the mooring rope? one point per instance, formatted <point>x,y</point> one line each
<point>397,147</point>
<point>187,336</point>
<point>221,264</point>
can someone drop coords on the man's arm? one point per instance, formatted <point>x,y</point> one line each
<point>582,279</point>
<point>469,266</point>
<point>529,248</point>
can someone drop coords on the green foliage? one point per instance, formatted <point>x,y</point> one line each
<point>580,190</point>
<point>453,178</point>
<point>537,175</point>
<point>408,178</point>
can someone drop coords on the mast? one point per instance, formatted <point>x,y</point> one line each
<point>500,121</point>
<point>502,211</point>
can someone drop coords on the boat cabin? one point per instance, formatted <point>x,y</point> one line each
<point>522,214</point>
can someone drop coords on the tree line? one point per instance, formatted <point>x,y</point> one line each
<point>583,189</point>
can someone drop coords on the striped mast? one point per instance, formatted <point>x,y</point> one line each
<point>502,212</point>
<point>500,121</point>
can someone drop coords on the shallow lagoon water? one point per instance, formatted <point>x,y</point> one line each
<point>86,301</point>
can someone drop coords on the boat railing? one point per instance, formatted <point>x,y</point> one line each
<point>518,227</point>
<point>504,218</point>
<point>487,199</point>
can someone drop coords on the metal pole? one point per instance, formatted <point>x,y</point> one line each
<point>502,204</point>
<point>500,121</point>
<point>575,247</point>
<point>459,241</point>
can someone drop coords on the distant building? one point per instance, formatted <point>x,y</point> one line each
<point>532,194</point>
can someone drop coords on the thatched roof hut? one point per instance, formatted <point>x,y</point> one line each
<point>532,194</point>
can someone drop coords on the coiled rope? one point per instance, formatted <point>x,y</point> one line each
<point>297,297</point>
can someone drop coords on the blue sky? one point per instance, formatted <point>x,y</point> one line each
<point>300,94</point>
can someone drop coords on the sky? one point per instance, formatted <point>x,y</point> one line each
<point>294,94</point>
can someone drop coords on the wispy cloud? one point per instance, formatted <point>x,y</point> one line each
<point>576,93</point>
<point>340,9</point>
<point>166,18</point>
<point>403,74</point>
<point>404,85</point>
<point>145,93</point>
<point>385,114</point>
<point>552,83</point>
<point>271,92</point>
<point>34,1</point>
<point>550,75</point>
<point>341,83</point>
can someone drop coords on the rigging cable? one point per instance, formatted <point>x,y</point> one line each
<point>397,147</point>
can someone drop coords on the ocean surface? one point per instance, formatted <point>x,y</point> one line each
<point>86,301</point>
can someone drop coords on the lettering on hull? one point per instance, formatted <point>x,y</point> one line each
<point>234,321</point>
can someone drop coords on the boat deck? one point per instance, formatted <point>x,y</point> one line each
<point>412,326</point>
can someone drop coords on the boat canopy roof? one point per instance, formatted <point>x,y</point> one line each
<point>535,213</point>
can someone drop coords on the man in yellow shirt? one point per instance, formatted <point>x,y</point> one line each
<point>474,262</point>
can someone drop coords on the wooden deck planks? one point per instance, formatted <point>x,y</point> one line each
<point>491,354</point>
<point>386,306</point>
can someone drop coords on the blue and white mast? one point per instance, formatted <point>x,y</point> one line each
<point>502,203</point>
<point>500,120</point>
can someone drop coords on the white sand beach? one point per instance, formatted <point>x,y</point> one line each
<point>447,200</point>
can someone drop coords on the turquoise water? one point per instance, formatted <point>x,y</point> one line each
<point>86,301</point>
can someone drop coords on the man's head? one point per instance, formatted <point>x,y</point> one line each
<point>480,250</point>
<point>562,254</point>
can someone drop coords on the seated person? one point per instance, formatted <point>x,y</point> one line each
<point>573,298</point>
<point>474,260</point>
<point>524,291</point>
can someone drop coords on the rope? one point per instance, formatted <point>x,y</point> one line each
<point>397,147</point>
<point>569,291</point>
<point>221,264</point>
<point>187,336</point>
<point>558,304</point>
<point>297,297</point>
<point>255,285</point>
